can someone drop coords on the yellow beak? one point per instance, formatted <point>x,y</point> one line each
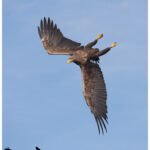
<point>69,61</point>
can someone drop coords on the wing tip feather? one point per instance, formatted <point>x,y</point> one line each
<point>39,31</point>
<point>101,125</point>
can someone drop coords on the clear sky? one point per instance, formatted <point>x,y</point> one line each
<point>43,103</point>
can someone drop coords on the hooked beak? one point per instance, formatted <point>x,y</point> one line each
<point>69,60</point>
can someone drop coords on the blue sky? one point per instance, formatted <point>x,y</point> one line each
<point>42,95</point>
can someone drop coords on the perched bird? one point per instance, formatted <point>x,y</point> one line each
<point>87,58</point>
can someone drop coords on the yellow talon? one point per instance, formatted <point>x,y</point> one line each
<point>113,44</point>
<point>100,36</point>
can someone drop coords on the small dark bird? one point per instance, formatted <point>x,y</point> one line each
<point>37,148</point>
<point>7,148</point>
<point>87,58</point>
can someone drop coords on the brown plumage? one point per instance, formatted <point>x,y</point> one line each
<point>94,89</point>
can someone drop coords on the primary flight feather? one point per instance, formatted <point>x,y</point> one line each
<point>87,58</point>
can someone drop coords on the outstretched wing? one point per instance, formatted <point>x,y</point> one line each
<point>94,91</point>
<point>53,40</point>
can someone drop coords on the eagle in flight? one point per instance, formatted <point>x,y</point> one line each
<point>87,58</point>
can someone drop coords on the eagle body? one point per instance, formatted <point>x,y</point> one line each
<point>81,57</point>
<point>86,57</point>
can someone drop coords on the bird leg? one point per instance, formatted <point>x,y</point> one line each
<point>91,44</point>
<point>104,51</point>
